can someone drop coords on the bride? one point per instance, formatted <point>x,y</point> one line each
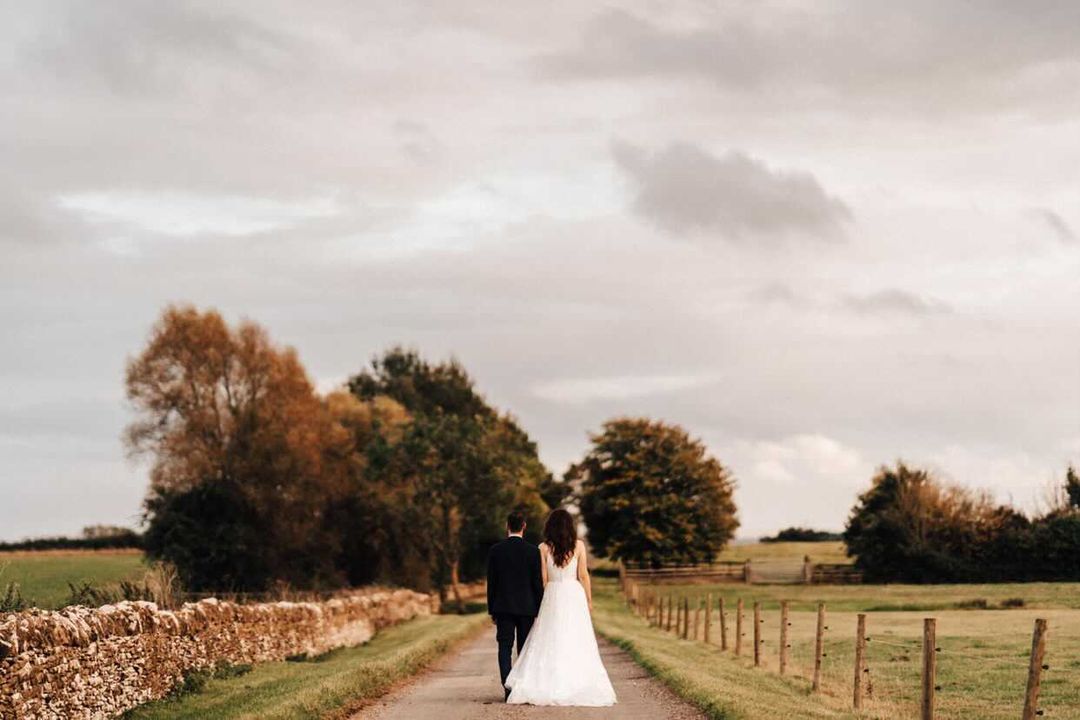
<point>560,662</point>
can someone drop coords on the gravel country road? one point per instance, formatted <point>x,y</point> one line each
<point>465,686</point>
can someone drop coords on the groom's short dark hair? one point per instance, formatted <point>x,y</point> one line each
<point>515,522</point>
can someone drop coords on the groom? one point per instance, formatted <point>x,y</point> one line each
<point>514,590</point>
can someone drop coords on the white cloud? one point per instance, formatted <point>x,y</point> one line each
<point>922,56</point>
<point>1014,477</point>
<point>685,190</point>
<point>584,390</point>
<point>807,459</point>
<point>180,214</point>
<point>354,175</point>
<point>1056,224</point>
<point>896,301</point>
<point>805,480</point>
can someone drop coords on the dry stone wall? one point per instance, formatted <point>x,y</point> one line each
<point>88,663</point>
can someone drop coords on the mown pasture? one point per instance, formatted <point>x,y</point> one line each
<point>984,636</point>
<point>44,576</point>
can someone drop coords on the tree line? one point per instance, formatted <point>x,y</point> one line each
<point>910,527</point>
<point>257,480</point>
<point>404,476</point>
<point>94,537</point>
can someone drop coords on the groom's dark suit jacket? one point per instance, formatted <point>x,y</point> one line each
<point>514,583</point>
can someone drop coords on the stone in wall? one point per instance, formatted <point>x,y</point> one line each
<point>88,663</point>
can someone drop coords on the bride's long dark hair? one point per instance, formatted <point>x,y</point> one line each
<point>561,535</point>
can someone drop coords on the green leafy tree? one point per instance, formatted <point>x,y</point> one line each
<point>1072,487</point>
<point>652,494</point>
<point>380,525</point>
<point>909,527</point>
<point>463,464</point>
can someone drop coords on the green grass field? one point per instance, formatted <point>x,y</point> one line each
<point>725,688</point>
<point>820,552</point>
<point>892,598</point>
<point>43,576</point>
<point>982,665</point>
<point>331,686</point>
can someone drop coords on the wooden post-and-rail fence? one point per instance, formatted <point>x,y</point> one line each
<point>671,613</point>
<point>746,571</point>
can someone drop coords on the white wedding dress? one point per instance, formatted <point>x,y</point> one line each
<point>560,662</point>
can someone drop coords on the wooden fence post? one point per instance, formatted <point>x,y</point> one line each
<point>757,634</point>
<point>784,645</point>
<point>708,616</point>
<point>819,646</point>
<point>686,618</point>
<point>697,616</point>
<point>739,626</point>
<point>669,612</point>
<point>723,624</point>
<point>807,570</point>
<point>929,668</point>
<point>860,660</point>
<point>748,572</point>
<point>1035,668</point>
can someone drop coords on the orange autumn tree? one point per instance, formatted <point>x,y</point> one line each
<point>246,458</point>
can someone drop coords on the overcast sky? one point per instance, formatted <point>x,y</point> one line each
<point>821,236</point>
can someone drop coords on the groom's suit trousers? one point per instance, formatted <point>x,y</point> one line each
<point>507,629</point>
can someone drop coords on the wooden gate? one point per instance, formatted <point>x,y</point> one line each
<point>777,572</point>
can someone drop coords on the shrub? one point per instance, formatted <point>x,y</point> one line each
<point>975,604</point>
<point>160,584</point>
<point>11,600</point>
<point>799,534</point>
<point>908,527</point>
<point>120,538</point>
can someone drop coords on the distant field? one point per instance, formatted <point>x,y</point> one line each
<point>43,575</point>
<point>892,598</point>
<point>983,659</point>
<point>819,552</point>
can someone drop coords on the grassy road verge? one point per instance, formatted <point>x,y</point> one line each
<point>721,685</point>
<point>331,686</point>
